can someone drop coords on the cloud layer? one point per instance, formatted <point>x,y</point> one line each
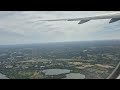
<point>19,27</point>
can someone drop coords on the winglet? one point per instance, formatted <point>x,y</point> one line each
<point>83,21</point>
<point>114,20</point>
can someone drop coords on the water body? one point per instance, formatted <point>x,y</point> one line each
<point>75,76</point>
<point>56,71</point>
<point>64,71</point>
<point>3,76</point>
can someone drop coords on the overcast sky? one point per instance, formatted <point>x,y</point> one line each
<point>20,27</point>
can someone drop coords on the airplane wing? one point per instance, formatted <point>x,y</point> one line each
<point>113,16</point>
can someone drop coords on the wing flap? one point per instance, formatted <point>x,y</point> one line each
<point>114,20</point>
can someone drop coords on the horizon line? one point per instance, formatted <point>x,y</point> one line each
<point>59,42</point>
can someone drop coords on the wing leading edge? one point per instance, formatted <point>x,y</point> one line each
<point>114,17</point>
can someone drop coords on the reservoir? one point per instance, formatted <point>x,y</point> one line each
<point>55,71</point>
<point>64,71</point>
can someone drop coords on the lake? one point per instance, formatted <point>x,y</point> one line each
<point>64,71</point>
<point>55,71</point>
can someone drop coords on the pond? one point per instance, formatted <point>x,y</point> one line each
<point>56,71</point>
<point>64,71</point>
